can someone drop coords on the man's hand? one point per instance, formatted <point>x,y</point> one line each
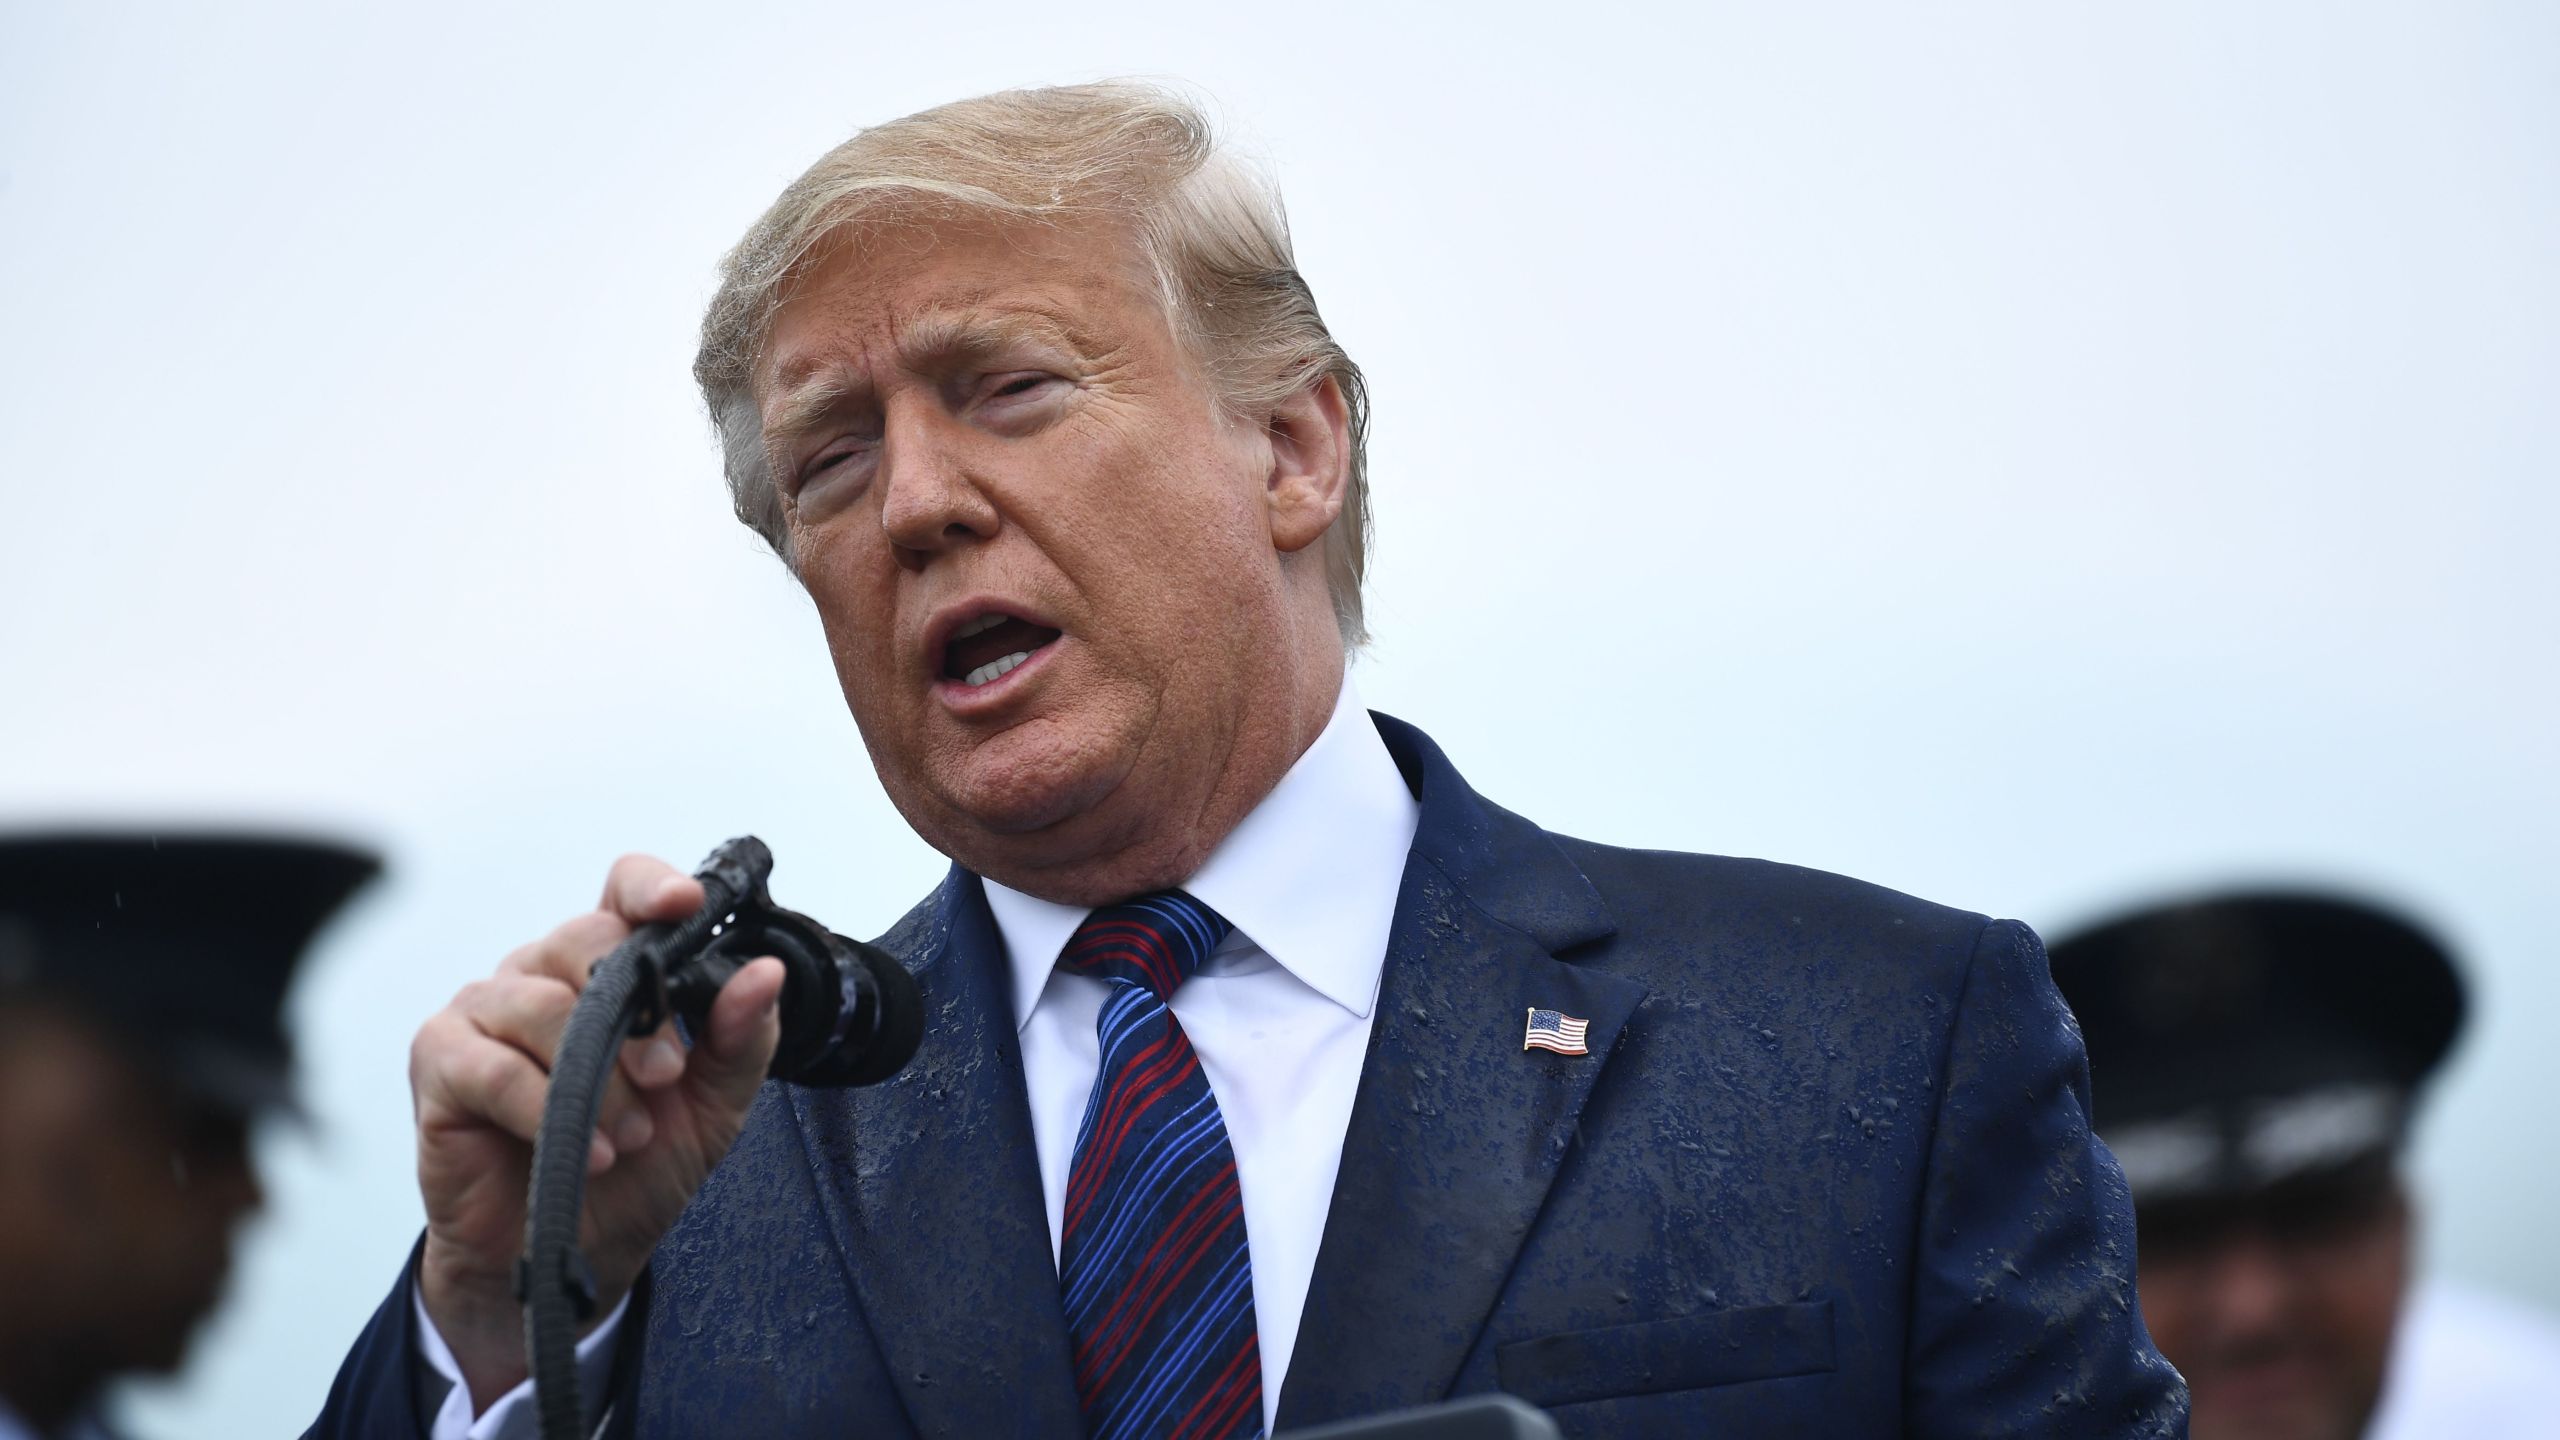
<point>478,1072</point>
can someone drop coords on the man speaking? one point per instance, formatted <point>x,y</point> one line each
<point>1270,1075</point>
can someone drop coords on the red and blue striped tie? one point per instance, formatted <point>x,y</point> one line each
<point>1158,1282</point>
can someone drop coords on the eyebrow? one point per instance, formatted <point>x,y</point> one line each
<point>933,342</point>
<point>937,341</point>
<point>807,404</point>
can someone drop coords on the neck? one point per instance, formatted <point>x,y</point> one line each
<point>1158,855</point>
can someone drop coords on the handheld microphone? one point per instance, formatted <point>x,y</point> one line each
<point>850,1012</point>
<point>851,1015</point>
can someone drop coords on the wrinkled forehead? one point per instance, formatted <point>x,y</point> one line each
<point>911,288</point>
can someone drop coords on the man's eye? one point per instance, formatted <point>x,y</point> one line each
<point>1019,402</point>
<point>1015,387</point>
<point>826,462</point>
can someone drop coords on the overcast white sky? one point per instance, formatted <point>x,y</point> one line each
<point>2030,456</point>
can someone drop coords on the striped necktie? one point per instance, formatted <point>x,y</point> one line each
<point>1158,1283</point>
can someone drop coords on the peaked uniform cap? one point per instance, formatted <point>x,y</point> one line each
<point>2256,992</point>
<point>2239,1039</point>
<point>183,943</point>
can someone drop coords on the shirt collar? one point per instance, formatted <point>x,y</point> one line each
<point>1310,875</point>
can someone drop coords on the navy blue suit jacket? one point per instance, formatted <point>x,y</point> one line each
<point>1827,1171</point>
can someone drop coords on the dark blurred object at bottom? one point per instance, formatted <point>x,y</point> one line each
<point>142,984</point>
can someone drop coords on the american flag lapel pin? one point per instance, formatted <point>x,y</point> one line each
<point>1557,1031</point>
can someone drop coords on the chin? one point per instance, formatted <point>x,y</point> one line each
<point>2303,1420</point>
<point>1026,795</point>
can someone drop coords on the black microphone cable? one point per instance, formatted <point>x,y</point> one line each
<point>851,1015</point>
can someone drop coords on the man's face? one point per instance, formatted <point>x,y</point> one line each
<point>1061,598</point>
<point>2279,1311</point>
<point>119,1200</point>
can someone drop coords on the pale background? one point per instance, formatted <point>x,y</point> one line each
<point>2028,457</point>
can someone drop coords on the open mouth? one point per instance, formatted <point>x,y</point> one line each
<point>987,648</point>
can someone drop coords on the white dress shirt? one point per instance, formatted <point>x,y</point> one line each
<point>1280,1015</point>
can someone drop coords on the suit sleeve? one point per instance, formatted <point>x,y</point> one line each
<point>379,1393</point>
<point>387,1389</point>
<point>2024,1320</point>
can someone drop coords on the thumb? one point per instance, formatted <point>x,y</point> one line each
<point>738,1043</point>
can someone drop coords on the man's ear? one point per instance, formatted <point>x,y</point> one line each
<point>1310,434</point>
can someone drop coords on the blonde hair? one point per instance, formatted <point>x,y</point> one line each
<point>1211,232</point>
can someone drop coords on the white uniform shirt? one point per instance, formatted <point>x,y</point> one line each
<point>2467,1365</point>
<point>1280,1015</point>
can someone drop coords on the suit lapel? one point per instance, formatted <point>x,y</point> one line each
<point>1457,1131</point>
<point>932,1186</point>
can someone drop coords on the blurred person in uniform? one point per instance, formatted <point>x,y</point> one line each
<point>142,980</point>
<point>2255,1061</point>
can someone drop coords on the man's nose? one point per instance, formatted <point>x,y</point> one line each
<point>930,501</point>
<point>2254,1288</point>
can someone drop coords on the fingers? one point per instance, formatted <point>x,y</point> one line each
<point>655,1060</point>
<point>639,890</point>
<point>570,950</point>
<point>745,1026</point>
<point>504,1087</point>
<point>488,1056</point>
<point>642,888</point>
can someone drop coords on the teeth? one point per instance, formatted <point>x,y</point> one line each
<point>979,626</point>
<point>994,668</point>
